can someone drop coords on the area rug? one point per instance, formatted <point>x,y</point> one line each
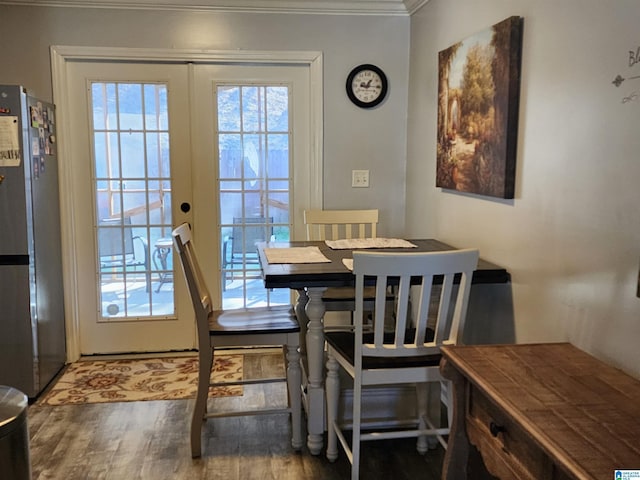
<point>168,378</point>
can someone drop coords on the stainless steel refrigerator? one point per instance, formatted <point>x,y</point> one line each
<point>32,330</point>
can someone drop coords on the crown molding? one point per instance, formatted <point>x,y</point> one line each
<point>323,7</point>
<point>413,6</point>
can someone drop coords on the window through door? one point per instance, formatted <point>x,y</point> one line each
<point>132,184</point>
<point>254,131</point>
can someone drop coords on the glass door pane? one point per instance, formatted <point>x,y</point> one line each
<point>254,186</point>
<point>132,186</point>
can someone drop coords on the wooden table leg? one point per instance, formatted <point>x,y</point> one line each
<point>457,454</point>
<point>315,380</point>
<point>303,320</point>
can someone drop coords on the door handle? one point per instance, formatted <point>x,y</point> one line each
<point>185,207</point>
<point>496,429</point>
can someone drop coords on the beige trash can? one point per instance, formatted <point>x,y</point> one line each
<point>15,462</point>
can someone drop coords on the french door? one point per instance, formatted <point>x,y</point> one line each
<point>159,143</point>
<point>254,144</point>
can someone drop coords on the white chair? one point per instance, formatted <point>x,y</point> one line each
<point>265,326</point>
<point>339,224</point>
<point>408,355</point>
<point>336,225</point>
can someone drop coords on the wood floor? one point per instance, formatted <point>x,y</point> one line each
<point>150,440</point>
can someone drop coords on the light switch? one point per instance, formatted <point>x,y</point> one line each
<point>359,178</point>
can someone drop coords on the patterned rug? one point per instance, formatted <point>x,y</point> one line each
<point>138,380</point>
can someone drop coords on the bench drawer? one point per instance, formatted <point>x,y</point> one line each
<point>507,451</point>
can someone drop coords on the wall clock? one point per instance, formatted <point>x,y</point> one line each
<point>366,86</point>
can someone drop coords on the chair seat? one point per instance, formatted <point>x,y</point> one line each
<point>245,321</point>
<point>344,344</point>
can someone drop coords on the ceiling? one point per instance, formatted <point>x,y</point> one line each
<point>326,7</point>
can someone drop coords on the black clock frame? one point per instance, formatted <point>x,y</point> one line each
<point>383,92</point>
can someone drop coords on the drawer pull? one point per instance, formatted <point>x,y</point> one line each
<point>495,429</point>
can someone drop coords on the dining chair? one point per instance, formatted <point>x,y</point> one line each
<point>239,248</point>
<point>247,327</point>
<point>410,354</point>
<point>338,225</point>
<point>120,250</point>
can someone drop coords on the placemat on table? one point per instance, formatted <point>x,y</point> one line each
<point>295,255</point>
<point>362,243</point>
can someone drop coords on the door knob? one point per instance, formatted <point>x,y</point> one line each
<point>185,207</point>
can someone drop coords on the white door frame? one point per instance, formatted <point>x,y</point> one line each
<point>60,55</point>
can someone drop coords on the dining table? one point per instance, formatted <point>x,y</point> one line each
<point>310,267</point>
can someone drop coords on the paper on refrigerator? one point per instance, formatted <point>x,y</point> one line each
<point>10,154</point>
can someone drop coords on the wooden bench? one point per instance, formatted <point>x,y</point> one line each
<point>542,411</point>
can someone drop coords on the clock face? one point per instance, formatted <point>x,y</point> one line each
<point>367,86</point>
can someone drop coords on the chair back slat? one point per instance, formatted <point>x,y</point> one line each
<point>380,308</point>
<point>401,312</point>
<point>200,297</point>
<point>340,224</point>
<point>443,311</point>
<point>416,275</point>
<point>424,302</point>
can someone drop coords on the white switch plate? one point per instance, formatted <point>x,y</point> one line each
<point>359,178</point>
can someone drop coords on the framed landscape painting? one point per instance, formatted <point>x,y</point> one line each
<point>478,100</point>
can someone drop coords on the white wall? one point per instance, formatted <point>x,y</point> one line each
<point>571,236</point>
<point>353,138</point>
